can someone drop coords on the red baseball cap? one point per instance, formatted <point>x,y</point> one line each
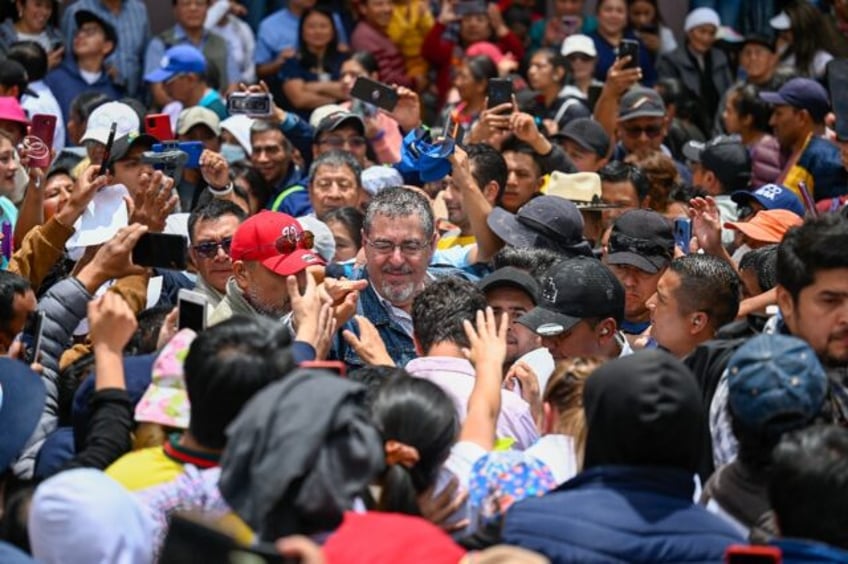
<point>277,241</point>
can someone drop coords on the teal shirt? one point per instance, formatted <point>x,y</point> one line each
<point>213,101</point>
<point>537,32</point>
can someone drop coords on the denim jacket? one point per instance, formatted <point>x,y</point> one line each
<point>398,343</point>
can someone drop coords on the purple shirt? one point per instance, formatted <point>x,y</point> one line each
<point>456,377</point>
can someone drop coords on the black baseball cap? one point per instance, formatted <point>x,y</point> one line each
<point>13,73</point>
<point>336,119</point>
<point>550,222</point>
<point>758,39</point>
<point>643,239</point>
<point>572,290</point>
<point>122,145</point>
<point>724,156</point>
<point>511,277</point>
<point>85,16</point>
<point>587,133</point>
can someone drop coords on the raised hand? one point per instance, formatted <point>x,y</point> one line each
<point>369,346</point>
<point>111,322</point>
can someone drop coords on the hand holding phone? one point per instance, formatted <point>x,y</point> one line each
<point>161,250</point>
<point>32,335</point>
<point>500,91</point>
<point>629,48</point>
<point>374,93</point>
<point>191,308</point>
<point>39,142</point>
<point>253,104</point>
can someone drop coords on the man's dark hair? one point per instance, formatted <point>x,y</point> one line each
<point>215,209</point>
<point>11,285</point>
<point>226,365</point>
<point>439,310</point>
<point>808,489</point>
<point>32,56</point>
<point>534,260</point>
<point>351,218</point>
<point>374,377</point>
<point>747,102</point>
<point>515,145</point>
<point>84,104</point>
<point>487,165</point>
<point>763,262</point>
<point>708,284</point>
<point>818,244</point>
<point>618,171</point>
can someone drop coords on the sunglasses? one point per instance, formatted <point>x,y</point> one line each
<point>337,142</point>
<point>209,249</point>
<point>290,242</point>
<point>651,131</point>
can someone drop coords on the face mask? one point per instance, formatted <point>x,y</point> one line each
<point>233,152</point>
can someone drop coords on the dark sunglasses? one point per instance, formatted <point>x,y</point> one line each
<point>210,248</point>
<point>651,131</point>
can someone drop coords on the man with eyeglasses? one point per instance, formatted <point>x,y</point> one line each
<point>210,230</point>
<point>399,238</point>
<point>342,131</point>
<point>335,181</point>
<point>265,250</point>
<point>190,16</point>
<point>85,71</point>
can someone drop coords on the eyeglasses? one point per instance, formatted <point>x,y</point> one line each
<point>209,249</point>
<point>337,142</point>
<point>651,131</point>
<point>343,183</point>
<point>407,248</point>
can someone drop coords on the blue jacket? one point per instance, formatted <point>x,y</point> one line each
<point>617,514</point>
<point>66,83</point>
<point>797,551</point>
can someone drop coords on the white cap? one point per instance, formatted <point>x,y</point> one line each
<point>198,115</point>
<point>701,16</point>
<point>377,178</point>
<point>239,125</point>
<point>579,44</point>
<point>781,22</point>
<point>100,122</point>
<point>324,243</point>
<point>319,113</point>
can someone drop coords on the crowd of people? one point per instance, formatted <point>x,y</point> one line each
<point>576,292</point>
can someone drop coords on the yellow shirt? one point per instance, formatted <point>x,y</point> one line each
<point>450,240</point>
<point>144,468</point>
<point>408,28</point>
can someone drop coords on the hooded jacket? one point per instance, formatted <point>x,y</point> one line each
<point>633,502</point>
<point>299,454</point>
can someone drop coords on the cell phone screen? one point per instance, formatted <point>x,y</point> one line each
<point>500,91</point>
<point>161,250</point>
<point>31,336</point>
<point>631,48</point>
<point>374,93</point>
<point>192,315</point>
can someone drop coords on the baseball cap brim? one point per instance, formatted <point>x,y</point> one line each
<point>546,322</point>
<point>123,145</point>
<point>510,277</point>
<point>507,227</point>
<point>692,150</point>
<point>299,260</point>
<point>159,75</point>
<point>774,98</point>
<point>651,265</point>
<point>22,397</point>
<point>754,231</point>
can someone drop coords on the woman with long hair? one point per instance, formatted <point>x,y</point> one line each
<point>748,115</point>
<point>311,79</point>
<point>35,20</point>
<point>806,40</point>
<point>647,21</point>
<point>613,26</point>
<point>547,74</point>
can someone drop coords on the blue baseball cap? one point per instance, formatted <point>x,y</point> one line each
<point>801,93</point>
<point>775,384</point>
<point>771,197</point>
<point>182,59</point>
<point>22,397</point>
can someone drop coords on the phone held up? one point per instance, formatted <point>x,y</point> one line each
<point>253,104</point>
<point>375,93</point>
<point>500,91</point>
<point>191,308</point>
<point>43,128</point>
<point>629,47</point>
<point>161,250</point>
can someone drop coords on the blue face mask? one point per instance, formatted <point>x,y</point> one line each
<point>233,152</point>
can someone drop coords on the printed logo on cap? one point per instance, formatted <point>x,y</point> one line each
<point>549,290</point>
<point>770,192</point>
<point>289,232</point>
<point>165,61</point>
<point>640,102</point>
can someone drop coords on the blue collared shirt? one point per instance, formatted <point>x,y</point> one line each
<point>156,50</point>
<point>133,29</point>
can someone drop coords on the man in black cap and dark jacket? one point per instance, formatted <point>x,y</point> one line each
<point>633,500</point>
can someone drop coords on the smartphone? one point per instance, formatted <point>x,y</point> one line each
<point>191,308</point>
<point>683,233</point>
<point>193,149</point>
<point>374,93</point>
<point>44,128</point>
<point>159,126</point>
<point>335,366</point>
<point>253,104</point>
<point>107,155</point>
<point>593,96</point>
<point>193,538</point>
<point>629,47</point>
<point>8,243</point>
<point>837,81</point>
<point>744,554</point>
<point>500,91</point>
<point>31,336</point>
<point>161,250</point>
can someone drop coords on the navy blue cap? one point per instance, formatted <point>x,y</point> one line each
<point>801,93</point>
<point>550,222</point>
<point>22,397</point>
<point>771,197</point>
<point>775,384</point>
